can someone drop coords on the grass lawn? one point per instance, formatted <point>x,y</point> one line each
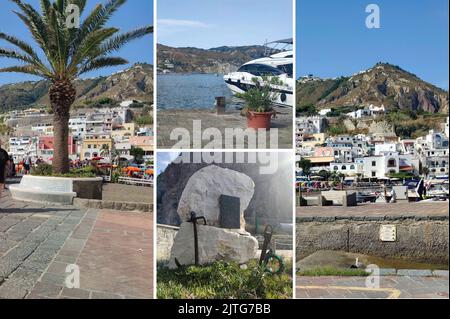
<point>332,271</point>
<point>223,281</point>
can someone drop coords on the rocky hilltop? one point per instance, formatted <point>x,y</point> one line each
<point>222,60</point>
<point>271,202</point>
<point>135,83</point>
<point>383,84</point>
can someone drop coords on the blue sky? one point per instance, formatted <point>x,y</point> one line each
<point>212,23</point>
<point>332,39</point>
<point>164,159</point>
<point>133,14</point>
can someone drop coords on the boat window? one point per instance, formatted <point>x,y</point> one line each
<point>287,68</point>
<point>244,68</point>
<point>260,70</point>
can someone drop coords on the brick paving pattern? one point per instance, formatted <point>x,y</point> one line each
<point>113,251</point>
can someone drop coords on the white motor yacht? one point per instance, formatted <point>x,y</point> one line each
<point>276,65</point>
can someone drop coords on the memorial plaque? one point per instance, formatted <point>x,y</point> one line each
<point>388,233</point>
<point>230,212</point>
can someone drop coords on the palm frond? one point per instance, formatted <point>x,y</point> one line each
<point>101,63</point>
<point>20,44</point>
<point>28,69</point>
<point>58,38</point>
<point>119,41</point>
<point>34,23</point>
<point>95,20</point>
<point>12,54</point>
<point>89,46</point>
<point>45,7</point>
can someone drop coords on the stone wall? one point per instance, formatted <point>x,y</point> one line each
<point>418,239</point>
<point>165,237</point>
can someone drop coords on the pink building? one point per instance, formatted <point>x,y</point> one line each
<point>45,147</point>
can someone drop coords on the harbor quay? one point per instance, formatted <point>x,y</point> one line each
<point>176,121</point>
<point>406,243</point>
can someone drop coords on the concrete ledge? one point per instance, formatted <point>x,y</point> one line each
<point>122,206</point>
<point>330,219</point>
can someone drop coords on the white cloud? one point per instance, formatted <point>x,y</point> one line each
<point>182,23</point>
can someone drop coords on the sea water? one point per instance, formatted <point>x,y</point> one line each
<point>193,91</point>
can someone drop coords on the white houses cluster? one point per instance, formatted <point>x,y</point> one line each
<point>93,133</point>
<point>371,155</point>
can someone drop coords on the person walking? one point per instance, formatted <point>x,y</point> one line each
<point>4,159</point>
<point>27,164</point>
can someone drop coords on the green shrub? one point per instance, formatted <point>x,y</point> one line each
<point>47,170</point>
<point>42,170</point>
<point>223,281</point>
<point>261,97</point>
<point>333,271</point>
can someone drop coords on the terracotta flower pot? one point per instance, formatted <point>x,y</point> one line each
<point>259,120</point>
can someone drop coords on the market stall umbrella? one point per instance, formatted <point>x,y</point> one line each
<point>149,172</point>
<point>133,169</point>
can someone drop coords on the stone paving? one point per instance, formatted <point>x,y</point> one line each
<point>113,251</point>
<point>169,119</point>
<point>391,287</point>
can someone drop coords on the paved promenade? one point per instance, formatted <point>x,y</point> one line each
<point>419,209</point>
<point>391,287</point>
<point>112,250</point>
<point>183,118</point>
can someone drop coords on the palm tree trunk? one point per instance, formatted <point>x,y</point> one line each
<point>62,95</point>
<point>60,142</point>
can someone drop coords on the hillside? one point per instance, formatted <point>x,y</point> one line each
<point>135,83</point>
<point>216,60</point>
<point>383,84</point>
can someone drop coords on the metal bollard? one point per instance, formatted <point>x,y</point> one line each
<point>220,105</point>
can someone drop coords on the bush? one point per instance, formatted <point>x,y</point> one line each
<point>42,170</point>
<point>261,97</point>
<point>223,281</point>
<point>47,170</point>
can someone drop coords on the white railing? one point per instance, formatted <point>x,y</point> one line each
<point>135,181</point>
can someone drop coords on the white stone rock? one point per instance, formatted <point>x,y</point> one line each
<point>203,190</point>
<point>214,244</point>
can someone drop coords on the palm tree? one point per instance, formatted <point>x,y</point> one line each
<point>69,52</point>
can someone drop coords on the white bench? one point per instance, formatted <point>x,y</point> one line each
<point>44,190</point>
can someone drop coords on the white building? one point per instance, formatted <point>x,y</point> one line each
<point>324,112</point>
<point>388,163</point>
<point>433,152</point>
<point>349,169</point>
<point>20,147</point>
<point>383,148</point>
<point>446,128</point>
<point>77,126</point>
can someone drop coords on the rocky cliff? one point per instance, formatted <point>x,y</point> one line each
<point>383,84</point>
<point>271,202</point>
<point>216,60</point>
<point>135,83</point>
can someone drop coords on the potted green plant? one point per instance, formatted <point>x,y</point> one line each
<point>259,101</point>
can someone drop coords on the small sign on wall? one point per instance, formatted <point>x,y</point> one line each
<point>388,233</point>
